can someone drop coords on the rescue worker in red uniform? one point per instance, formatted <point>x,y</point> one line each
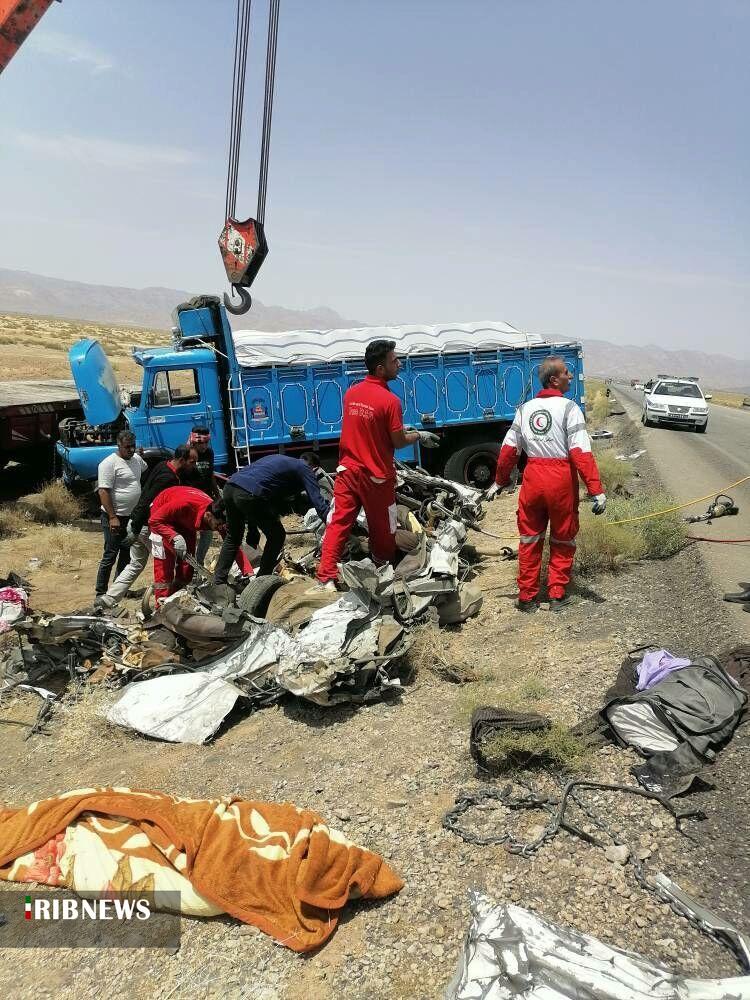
<point>177,515</point>
<point>552,431</point>
<point>372,428</point>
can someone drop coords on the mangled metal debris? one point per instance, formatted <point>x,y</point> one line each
<point>509,953</point>
<point>209,648</point>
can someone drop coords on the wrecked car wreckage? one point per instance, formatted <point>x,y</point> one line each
<point>210,647</point>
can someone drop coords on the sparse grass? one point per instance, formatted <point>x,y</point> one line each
<point>427,652</point>
<point>83,725</point>
<point>600,408</point>
<point>555,746</point>
<point>615,474</point>
<point>521,694</point>
<point>532,690</point>
<point>733,399</point>
<point>59,503</point>
<point>659,537</point>
<point>604,545</point>
<point>12,523</point>
<point>63,548</point>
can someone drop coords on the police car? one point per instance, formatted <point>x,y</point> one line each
<point>675,400</point>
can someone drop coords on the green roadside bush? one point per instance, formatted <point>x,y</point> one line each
<point>606,545</point>
<point>615,475</point>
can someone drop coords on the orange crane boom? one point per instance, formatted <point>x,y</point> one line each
<point>17,19</point>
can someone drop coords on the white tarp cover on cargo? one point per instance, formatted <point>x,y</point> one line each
<point>255,348</point>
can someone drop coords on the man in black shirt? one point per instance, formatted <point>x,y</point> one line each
<point>202,478</point>
<point>161,477</point>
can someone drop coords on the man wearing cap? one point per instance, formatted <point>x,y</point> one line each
<point>202,478</point>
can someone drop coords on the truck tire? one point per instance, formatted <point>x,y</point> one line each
<point>474,465</point>
<point>257,595</point>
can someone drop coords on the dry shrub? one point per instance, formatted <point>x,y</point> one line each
<point>427,652</point>
<point>59,503</point>
<point>604,545</point>
<point>12,523</point>
<point>555,746</point>
<point>614,475</point>
<point>83,726</point>
<point>63,548</point>
<point>659,537</point>
<point>600,408</point>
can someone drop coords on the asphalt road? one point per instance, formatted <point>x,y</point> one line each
<point>693,465</point>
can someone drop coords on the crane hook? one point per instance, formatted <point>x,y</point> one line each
<point>244,304</point>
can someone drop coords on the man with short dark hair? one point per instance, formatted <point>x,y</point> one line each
<point>162,476</point>
<point>552,431</point>
<point>202,478</point>
<point>252,498</point>
<point>119,487</point>
<point>176,517</point>
<point>372,429</point>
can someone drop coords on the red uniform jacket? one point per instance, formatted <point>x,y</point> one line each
<point>179,511</point>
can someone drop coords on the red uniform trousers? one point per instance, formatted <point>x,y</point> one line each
<point>549,493</point>
<point>170,573</point>
<point>353,490</point>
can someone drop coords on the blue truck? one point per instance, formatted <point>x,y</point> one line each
<point>262,393</point>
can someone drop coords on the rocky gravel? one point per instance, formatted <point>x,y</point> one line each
<point>386,773</point>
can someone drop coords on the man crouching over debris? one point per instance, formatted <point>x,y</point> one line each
<point>177,515</point>
<point>372,428</point>
<point>552,432</point>
<point>252,497</point>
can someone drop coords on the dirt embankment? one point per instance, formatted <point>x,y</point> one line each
<point>386,773</point>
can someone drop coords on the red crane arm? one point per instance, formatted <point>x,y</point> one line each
<point>17,19</point>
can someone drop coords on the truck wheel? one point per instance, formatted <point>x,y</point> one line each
<point>474,465</point>
<point>257,595</point>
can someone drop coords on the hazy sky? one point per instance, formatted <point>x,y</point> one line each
<point>576,168</point>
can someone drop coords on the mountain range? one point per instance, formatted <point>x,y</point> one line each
<point>33,294</point>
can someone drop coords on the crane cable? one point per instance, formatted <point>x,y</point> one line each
<point>241,42</point>
<point>265,145</point>
<point>241,39</point>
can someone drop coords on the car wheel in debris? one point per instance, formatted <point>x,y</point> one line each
<point>257,595</point>
<point>474,465</point>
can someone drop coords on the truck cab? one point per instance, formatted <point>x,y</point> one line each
<point>180,390</point>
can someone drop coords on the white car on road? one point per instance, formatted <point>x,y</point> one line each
<point>675,401</point>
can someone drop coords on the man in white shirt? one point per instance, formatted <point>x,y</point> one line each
<point>119,486</point>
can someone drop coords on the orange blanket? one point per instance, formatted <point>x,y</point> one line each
<point>275,866</point>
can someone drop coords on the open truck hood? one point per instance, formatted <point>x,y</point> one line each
<point>96,382</point>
